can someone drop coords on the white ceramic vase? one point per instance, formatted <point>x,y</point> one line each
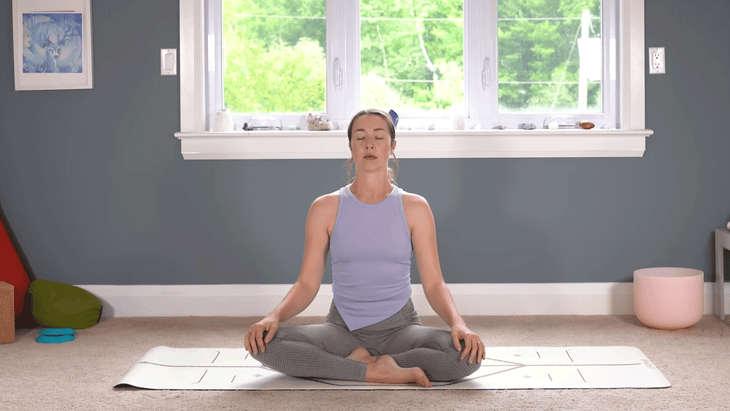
<point>458,119</point>
<point>223,121</point>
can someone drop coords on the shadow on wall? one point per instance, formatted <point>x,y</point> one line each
<point>725,261</point>
<point>622,299</point>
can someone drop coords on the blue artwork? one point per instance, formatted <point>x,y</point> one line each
<point>52,43</point>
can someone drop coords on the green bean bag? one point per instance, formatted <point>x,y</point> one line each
<point>59,305</point>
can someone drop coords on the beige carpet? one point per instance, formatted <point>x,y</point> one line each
<point>80,375</point>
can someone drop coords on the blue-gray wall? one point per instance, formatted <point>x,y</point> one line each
<point>94,186</point>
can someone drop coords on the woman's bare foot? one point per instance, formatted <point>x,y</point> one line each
<point>362,355</point>
<point>385,370</point>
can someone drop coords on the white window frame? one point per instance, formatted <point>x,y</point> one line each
<point>197,143</point>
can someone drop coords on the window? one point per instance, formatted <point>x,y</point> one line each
<point>498,62</point>
<point>533,59</point>
<point>552,60</point>
<point>273,55</point>
<point>411,56</point>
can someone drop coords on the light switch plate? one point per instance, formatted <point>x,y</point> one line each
<point>168,62</point>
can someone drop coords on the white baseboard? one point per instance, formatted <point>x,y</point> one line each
<point>241,300</point>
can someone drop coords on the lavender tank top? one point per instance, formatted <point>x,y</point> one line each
<point>371,259</point>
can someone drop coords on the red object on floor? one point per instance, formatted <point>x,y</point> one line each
<point>12,270</point>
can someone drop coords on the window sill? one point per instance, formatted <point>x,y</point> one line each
<point>273,145</point>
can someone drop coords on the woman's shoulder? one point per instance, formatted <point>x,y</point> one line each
<point>412,198</point>
<point>328,203</point>
<point>332,197</point>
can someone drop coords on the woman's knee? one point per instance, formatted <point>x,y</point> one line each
<point>458,368</point>
<point>464,369</point>
<point>269,355</point>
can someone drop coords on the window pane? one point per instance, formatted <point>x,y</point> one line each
<point>412,55</point>
<point>550,57</point>
<point>274,56</point>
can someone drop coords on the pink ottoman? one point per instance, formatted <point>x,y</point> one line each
<point>669,297</point>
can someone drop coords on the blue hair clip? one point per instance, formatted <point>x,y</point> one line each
<point>394,117</point>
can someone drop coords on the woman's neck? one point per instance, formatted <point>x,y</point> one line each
<point>375,191</point>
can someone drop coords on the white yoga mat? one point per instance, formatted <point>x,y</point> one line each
<point>165,368</point>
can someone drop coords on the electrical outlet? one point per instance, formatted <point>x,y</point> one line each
<point>656,60</point>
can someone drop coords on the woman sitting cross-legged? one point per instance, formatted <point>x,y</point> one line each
<point>372,331</point>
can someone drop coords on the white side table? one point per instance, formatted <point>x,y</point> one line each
<point>722,241</point>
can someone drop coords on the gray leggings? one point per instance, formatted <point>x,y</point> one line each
<point>319,351</point>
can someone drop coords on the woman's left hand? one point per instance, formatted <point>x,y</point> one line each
<point>473,346</point>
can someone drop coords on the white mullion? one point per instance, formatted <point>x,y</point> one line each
<point>493,34</point>
<point>192,87</point>
<point>214,60</point>
<point>352,103</point>
<point>632,64</point>
<point>480,44</point>
<point>609,81</point>
<point>343,45</point>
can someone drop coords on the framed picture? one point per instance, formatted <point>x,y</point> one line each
<point>52,44</point>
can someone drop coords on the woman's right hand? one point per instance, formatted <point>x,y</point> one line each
<point>254,339</point>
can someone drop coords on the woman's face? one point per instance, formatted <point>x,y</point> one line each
<point>371,142</point>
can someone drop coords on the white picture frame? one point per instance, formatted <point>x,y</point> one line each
<point>52,45</point>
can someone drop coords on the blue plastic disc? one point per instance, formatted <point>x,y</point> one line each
<point>58,331</point>
<point>50,339</point>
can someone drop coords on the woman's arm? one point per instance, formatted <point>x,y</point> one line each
<point>437,293</point>
<point>305,289</point>
<point>440,299</point>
